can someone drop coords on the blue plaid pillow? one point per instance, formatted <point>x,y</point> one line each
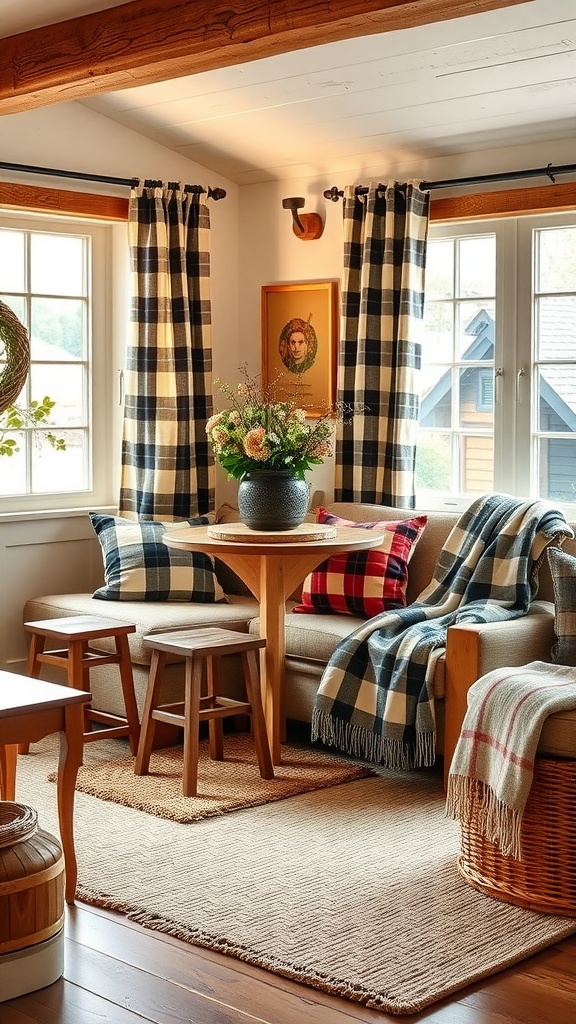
<point>139,566</point>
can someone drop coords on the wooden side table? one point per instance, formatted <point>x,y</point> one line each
<point>29,710</point>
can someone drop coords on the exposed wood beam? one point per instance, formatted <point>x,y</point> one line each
<point>154,40</point>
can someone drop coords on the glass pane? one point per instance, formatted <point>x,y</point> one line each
<point>557,399</point>
<point>57,330</point>
<point>433,458</point>
<point>477,472</point>
<point>437,333</point>
<point>557,468</point>
<point>17,305</point>
<point>57,264</point>
<point>65,386</point>
<point>476,398</point>
<point>440,269</point>
<point>13,467</point>
<point>59,470</point>
<point>475,330</point>
<point>556,260</point>
<point>556,327</point>
<point>12,260</point>
<point>477,267</point>
<point>436,397</point>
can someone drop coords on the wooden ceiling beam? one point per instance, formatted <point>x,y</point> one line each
<point>155,40</point>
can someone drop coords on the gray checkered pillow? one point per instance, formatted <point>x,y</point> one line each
<point>563,571</point>
<point>139,566</point>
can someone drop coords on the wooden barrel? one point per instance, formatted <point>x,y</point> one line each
<point>31,880</point>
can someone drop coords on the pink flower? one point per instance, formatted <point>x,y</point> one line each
<point>254,445</point>
<point>219,437</point>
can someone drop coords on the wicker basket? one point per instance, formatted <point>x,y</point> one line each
<point>15,355</point>
<point>545,878</point>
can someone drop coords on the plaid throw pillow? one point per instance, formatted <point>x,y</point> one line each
<point>138,566</point>
<point>563,572</point>
<point>363,583</point>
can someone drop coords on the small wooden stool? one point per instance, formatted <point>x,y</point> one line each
<point>195,645</point>
<point>77,659</point>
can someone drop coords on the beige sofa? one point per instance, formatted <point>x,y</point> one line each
<point>471,651</point>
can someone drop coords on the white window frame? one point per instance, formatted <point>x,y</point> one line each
<point>103,409</point>
<point>514,440</point>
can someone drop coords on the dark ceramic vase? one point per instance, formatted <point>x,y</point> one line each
<point>271,499</point>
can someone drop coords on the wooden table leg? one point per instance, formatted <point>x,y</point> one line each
<point>272,627</point>
<point>71,747</point>
<point>8,755</point>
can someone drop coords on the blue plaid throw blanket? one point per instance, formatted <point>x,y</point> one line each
<point>375,699</point>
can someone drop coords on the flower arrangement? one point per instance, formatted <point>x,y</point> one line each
<point>259,432</point>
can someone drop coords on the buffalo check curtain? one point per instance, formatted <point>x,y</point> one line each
<point>167,470</point>
<point>385,234</point>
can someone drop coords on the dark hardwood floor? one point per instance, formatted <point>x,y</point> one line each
<point>119,973</point>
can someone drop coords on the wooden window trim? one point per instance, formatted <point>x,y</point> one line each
<point>480,205</point>
<point>506,203</point>
<point>53,200</point>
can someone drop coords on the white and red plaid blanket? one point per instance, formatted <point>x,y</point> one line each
<point>493,764</point>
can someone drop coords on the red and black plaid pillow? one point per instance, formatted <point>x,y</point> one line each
<point>363,583</point>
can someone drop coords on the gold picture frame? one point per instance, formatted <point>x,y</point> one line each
<point>300,342</point>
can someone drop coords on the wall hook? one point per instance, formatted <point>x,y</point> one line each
<point>306,226</point>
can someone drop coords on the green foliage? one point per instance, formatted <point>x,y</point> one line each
<point>19,418</point>
<point>432,465</point>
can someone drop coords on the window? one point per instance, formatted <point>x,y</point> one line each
<point>53,276</point>
<point>498,399</point>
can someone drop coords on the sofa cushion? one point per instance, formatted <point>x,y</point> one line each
<point>563,572</point>
<point>147,616</point>
<point>139,566</point>
<point>312,639</point>
<point>363,583</point>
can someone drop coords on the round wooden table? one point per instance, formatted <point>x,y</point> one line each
<point>272,565</point>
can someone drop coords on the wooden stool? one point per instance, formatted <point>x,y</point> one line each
<point>77,659</point>
<point>195,645</point>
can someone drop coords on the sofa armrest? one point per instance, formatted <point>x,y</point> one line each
<point>473,649</point>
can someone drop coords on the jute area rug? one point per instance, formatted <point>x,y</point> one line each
<point>222,785</point>
<point>351,889</point>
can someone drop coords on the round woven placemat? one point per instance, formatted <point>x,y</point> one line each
<point>246,535</point>
<point>15,354</point>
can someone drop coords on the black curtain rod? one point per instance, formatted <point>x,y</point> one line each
<point>213,193</point>
<point>427,186</point>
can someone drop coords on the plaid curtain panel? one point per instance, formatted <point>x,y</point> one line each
<point>385,235</point>
<point>167,469</point>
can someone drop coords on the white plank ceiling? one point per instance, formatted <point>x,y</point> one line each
<point>488,81</point>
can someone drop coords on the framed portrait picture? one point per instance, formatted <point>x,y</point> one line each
<point>299,342</point>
